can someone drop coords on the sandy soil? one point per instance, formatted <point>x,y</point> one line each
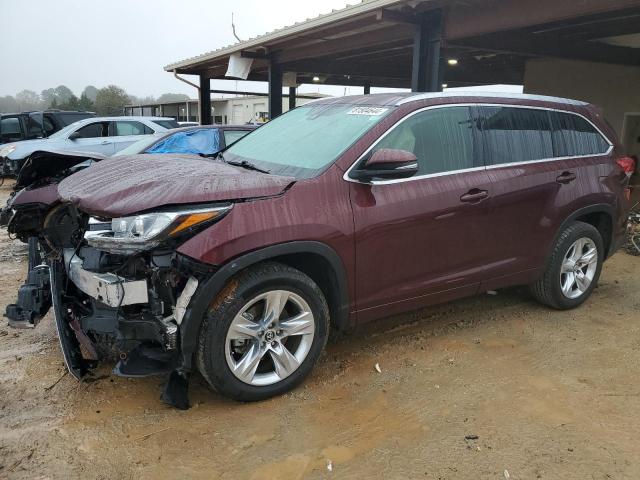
<point>548,394</point>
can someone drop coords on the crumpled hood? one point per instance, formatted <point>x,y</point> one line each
<point>47,163</point>
<point>130,184</point>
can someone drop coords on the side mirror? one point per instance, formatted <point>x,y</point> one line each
<point>75,136</point>
<point>387,164</point>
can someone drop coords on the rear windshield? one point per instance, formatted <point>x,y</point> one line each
<point>303,142</point>
<point>167,123</point>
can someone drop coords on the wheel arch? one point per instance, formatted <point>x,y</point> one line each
<point>317,260</point>
<point>600,216</point>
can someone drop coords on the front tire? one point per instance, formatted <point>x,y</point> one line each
<point>263,333</point>
<point>573,269</point>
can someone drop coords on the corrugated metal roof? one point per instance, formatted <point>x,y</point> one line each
<point>365,6</point>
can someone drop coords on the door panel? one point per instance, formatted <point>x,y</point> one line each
<point>94,138</point>
<point>534,185</point>
<point>422,239</point>
<point>418,238</point>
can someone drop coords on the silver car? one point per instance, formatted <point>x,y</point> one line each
<point>104,135</point>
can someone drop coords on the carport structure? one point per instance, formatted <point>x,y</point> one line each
<point>549,46</point>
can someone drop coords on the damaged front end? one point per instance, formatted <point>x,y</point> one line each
<point>120,290</point>
<point>34,197</point>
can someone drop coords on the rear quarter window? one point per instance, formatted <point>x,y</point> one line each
<point>574,136</point>
<point>167,123</point>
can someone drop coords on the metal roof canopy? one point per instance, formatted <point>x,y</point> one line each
<point>406,44</point>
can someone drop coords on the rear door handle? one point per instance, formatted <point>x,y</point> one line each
<point>566,177</point>
<point>474,195</point>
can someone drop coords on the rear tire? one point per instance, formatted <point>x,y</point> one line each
<point>573,268</point>
<point>246,350</point>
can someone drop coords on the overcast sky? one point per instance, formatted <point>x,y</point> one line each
<point>46,43</point>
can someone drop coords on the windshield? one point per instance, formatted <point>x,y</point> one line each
<point>304,142</point>
<point>141,145</point>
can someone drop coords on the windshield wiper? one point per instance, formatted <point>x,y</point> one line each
<point>244,164</point>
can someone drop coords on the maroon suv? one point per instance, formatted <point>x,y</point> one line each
<point>336,213</point>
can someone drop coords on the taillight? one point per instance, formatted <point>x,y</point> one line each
<point>627,164</point>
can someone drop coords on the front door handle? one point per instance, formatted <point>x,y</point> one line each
<point>474,195</point>
<point>106,142</point>
<point>566,177</point>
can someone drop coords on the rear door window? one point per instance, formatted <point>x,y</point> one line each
<point>93,130</point>
<point>127,128</point>
<point>514,135</point>
<point>442,139</point>
<point>574,136</point>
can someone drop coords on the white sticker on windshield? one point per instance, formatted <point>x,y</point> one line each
<point>371,111</point>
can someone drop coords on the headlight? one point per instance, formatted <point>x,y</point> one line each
<point>143,232</point>
<point>6,150</point>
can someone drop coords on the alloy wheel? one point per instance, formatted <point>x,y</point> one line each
<point>578,267</point>
<point>269,338</point>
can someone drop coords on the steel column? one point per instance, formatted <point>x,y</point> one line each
<point>425,73</point>
<point>367,88</point>
<point>204,100</point>
<point>292,98</point>
<point>275,89</point>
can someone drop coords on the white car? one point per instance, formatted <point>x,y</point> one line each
<point>104,135</point>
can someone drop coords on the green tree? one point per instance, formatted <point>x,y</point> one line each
<point>85,103</point>
<point>28,100</point>
<point>90,92</point>
<point>55,97</point>
<point>8,104</point>
<point>71,104</point>
<point>111,100</point>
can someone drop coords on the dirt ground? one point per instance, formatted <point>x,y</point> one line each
<point>552,395</point>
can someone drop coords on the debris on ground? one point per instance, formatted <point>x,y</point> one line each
<point>377,367</point>
<point>492,292</point>
<point>506,475</point>
<point>329,466</point>
<point>632,246</point>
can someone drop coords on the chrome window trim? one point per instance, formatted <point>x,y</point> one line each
<point>473,169</point>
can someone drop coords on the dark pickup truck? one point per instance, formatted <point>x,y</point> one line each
<point>27,125</point>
